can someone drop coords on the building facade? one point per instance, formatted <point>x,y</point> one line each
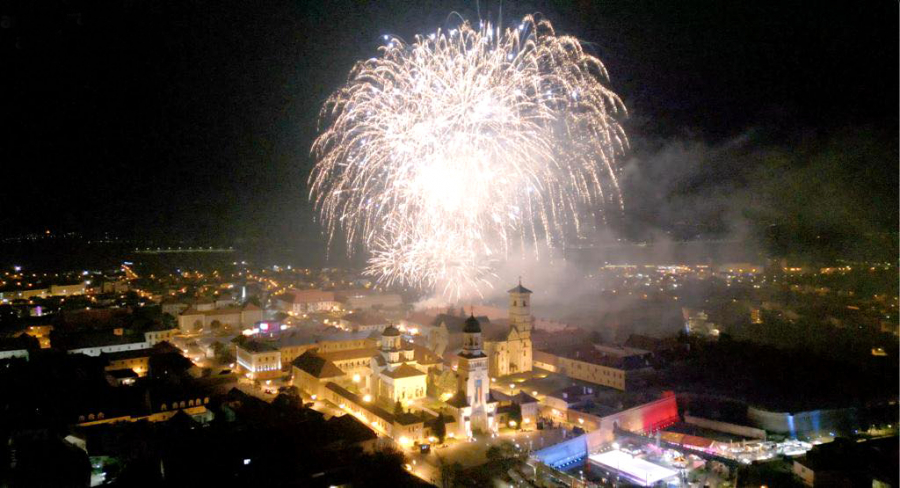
<point>472,408</point>
<point>298,302</point>
<point>258,360</point>
<point>513,352</point>
<point>204,316</point>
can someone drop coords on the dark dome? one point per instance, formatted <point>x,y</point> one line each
<point>472,325</point>
<point>390,331</point>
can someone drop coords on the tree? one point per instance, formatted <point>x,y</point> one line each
<point>450,472</point>
<point>504,454</point>
<point>515,415</point>
<point>169,321</point>
<point>440,428</point>
<point>289,398</point>
<point>215,325</point>
<point>398,408</point>
<point>222,353</point>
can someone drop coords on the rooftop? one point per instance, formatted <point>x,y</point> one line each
<point>257,347</point>
<point>353,397</point>
<point>306,296</point>
<point>124,373</point>
<point>519,289</point>
<point>404,371</point>
<point>99,339</point>
<point>619,358</point>
<point>365,319</point>
<point>472,326</point>
<point>316,366</point>
<point>363,353</point>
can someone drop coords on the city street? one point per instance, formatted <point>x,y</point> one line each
<point>468,454</point>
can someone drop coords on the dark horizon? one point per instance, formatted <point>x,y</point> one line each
<point>193,121</point>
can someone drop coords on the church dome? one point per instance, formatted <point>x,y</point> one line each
<point>390,331</point>
<point>472,325</point>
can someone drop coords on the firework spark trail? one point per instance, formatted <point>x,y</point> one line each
<point>442,155</point>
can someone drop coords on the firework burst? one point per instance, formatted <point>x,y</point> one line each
<point>445,154</point>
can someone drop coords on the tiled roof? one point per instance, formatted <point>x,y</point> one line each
<point>353,397</point>
<point>364,353</point>
<point>365,319</point>
<point>519,289</point>
<point>257,346</point>
<point>316,366</point>
<point>407,418</point>
<point>137,353</point>
<point>523,397</point>
<point>403,371</point>
<point>424,356</point>
<point>99,339</point>
<point>307,296</point>
<point>459,400</point>
<point>590,354</point>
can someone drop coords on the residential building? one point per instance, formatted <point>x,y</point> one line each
<point>206,316</point>
<point>94,343</point>
<point>173,306</point>
<point>363,322</point>
<point>159,333</point>
<point>298,302</point>
<point>137,360</point>
<point>371,301</point>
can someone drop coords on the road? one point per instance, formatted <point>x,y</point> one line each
<point>468,454</point>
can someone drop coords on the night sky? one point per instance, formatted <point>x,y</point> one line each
<point>193,119</point>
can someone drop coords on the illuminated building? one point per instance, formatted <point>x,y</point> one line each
<point>297,342</point>
<point>368,301</point>
<point>394,377</point>
<point>12,348</point>
<point>51,291</point>
<point>259,360</point>
<point>305,301</point>
<point>159,333</point>
<point>512,352</point>
<point>472,407</point>
<point>95,343</point>
<point>393,371</point>
<point>137,361</point>
<point>363,322</point>
<point>41,333</point>
<point>615,367</point>
<point>756,316</point>
<point>173,307</point>
<point>195,319</point>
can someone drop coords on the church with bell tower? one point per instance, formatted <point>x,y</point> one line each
<point>473,407</point>
<point>512,353</point>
